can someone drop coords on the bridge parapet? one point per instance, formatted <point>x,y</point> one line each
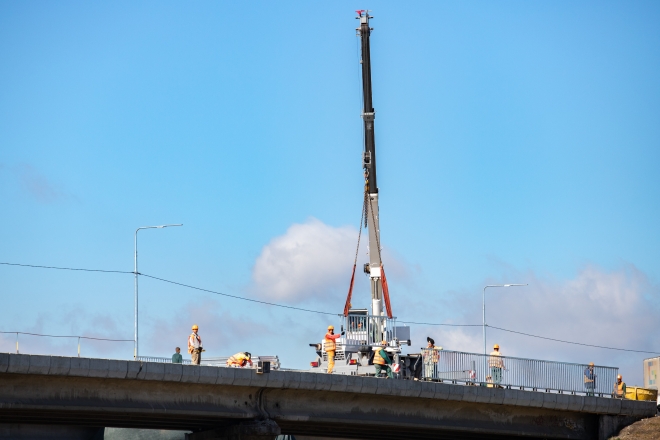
<point>155,371</point>
<point>102,392</point>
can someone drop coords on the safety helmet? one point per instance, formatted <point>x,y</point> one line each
<point>619,377</point>
<point>249,356</point>
<point>331,327</point>
<point>591,364</point>
<point>497,346</point>
<point>195,327</point>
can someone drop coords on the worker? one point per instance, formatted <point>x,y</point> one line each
<point>330,346</point>
<point>496,365</point>
<point>590,379</point>
<point>382,360</point>
<point>176,357</point>
<point>195,345</point>
<point>431,357</point>
<point>239,360</point>
<point>619,391</point>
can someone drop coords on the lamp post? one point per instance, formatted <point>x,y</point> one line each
<point>135,348</point>
<point>484,306</point>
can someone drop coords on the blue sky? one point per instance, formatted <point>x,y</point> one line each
<point>516,142</point>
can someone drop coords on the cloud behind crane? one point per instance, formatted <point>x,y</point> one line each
<point>311,260</point>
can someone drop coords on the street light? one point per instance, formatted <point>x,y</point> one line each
<point>484,305</point>
<point>135,348</point>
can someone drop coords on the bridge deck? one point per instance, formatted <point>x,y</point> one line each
<point>101,392</point>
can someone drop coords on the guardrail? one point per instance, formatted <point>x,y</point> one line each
<point>79,337</point>
<point>214,361</point>
<point>512,372</point>
<point>365,329</point>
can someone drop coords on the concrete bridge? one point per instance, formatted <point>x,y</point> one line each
<point>63,397</point>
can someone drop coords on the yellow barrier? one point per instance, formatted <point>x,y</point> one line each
<point>639,393</point>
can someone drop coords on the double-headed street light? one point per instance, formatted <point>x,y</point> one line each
<point>135,348</point>
<point>484,305</point>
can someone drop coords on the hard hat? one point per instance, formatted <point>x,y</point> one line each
<point>331,327</point>
<point>591,364</point>
<point>619,377</point>
<point>195,327</point>
<point>496,346</point>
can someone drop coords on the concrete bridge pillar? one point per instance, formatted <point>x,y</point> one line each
<point>49,432</point>
<point>254,430</point>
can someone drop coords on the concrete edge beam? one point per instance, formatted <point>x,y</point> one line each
<point>226,376</point>
<point>39,364</point>
<point>98,368</point>
<point>208,375</point>
<point>242,377</point>
<point>190,373</point>
<point>308,380</point>
<point>338,382</point>
<point>549,400</point>
<point>79,367</point>
<point>18,363</point>
<point>172,372</point>
<point>117,369</point>
<point>59,365</point>
<point>4,362</point>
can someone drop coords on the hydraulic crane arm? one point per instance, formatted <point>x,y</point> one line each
<point>369,163</point>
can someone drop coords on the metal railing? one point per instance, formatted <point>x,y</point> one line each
<point>63,336</point>
<point>214,361</point>
<point>162,360</point>
<point>512,372</point>
<point>362,330</point>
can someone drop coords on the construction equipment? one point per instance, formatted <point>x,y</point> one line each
<point>365,329</point>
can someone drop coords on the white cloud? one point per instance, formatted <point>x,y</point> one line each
<point>311,260</point>
<point>598,307</point>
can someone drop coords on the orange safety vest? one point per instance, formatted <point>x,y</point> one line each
<point>330,344</point>
<point>238,359</point>
<point>378,359</point>
<point>619,388</point>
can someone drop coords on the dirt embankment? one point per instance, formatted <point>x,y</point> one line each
<point>645,429</point>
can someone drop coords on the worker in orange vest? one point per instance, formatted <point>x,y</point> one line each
<point>330,346</point>
<point>382,361</point>
<point>239,360</point>
<point>195,346</point>
<point>619,388</point>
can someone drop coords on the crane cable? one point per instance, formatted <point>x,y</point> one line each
<point>363,218</point>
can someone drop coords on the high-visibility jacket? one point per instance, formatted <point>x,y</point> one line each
<point>194,342</point>
<point>239,359</point>
<point>330,344</point>
<point>494,361</point>
<point>379,359</point>
<point>620,389</point>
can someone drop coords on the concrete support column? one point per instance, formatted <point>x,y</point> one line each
<point>49,432</point>
<point>254,430</point>
<point>610,425</point>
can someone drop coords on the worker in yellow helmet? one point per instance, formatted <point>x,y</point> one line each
<point>195,346</point>
<point>330,346</point>
<point>619,391</point>
<point>496,365</point>
<point>240,360</point>
<point>382,361</point>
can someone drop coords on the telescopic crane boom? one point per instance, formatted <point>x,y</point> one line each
<point>374,269</point>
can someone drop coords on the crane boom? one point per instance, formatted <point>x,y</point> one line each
<point>369,164</point>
